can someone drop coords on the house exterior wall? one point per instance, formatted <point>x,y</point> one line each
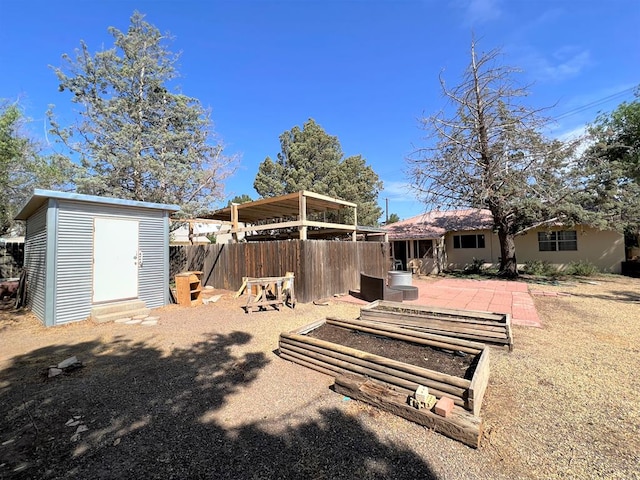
<point>457,258</point>
<point>74,256</point>
<point>35,261</point>
<point>604,249</point>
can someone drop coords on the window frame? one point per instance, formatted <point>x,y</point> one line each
<point>478,241</point>
<point>558,241</point>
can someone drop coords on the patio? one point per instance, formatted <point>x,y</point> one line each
<point>497,296</point>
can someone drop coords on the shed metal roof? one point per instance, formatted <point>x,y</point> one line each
<point>39,197</point>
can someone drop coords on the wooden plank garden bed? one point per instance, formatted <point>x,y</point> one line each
<point>485,327</point>
<point>387,363</point>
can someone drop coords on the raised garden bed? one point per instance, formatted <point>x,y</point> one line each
<point>485,327</point>
<point>397,360</point>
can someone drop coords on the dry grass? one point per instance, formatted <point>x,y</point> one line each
<point>204,392</point>
<point>564,404</point>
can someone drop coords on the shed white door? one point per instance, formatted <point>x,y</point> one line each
<point>115,259</point>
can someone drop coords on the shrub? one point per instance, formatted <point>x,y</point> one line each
<point>582,268</point>
<point>539,268</point>
<point>476,266</point>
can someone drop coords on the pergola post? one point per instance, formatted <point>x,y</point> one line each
<point>354,235</point>
<point>234,222</point>
<point>303,215</point>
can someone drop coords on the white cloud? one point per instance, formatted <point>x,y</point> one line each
<point>398,191</point>
<point>401,199</point>
<point>572,134</point>
<point>481,11</point>
<point>564,63</point>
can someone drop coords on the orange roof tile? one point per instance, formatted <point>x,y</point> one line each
<point>436,223</point>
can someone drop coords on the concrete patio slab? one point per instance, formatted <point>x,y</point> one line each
<point>496,296</point>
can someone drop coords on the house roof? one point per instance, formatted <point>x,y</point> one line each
<point>39,197</point>
<point>436,223</point>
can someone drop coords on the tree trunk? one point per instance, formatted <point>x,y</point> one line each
<point>508,263</point>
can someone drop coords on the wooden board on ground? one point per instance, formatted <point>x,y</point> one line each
<point>460,425</point>
<point>485,327</point>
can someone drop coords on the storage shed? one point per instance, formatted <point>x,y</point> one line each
<point>90,256</point>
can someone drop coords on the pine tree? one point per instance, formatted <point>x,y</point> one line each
<point>311,159</point>
<point>135,138</point>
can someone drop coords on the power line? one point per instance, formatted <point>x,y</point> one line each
<point>594,103</point>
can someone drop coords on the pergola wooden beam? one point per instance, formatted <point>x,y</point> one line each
<point>293,205</point>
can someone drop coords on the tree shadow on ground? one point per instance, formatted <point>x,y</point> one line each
<point>148,413</point>
<point>628,296</point>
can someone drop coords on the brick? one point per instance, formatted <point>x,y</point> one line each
<point>444,406</point>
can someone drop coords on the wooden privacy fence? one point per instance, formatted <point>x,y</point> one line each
<point>322,268</point>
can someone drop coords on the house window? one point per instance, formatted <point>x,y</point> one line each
<point>468,241</point>
<point>561,241</point>
<point>422,248</point>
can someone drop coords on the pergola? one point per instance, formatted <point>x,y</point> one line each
<point>292,211</point>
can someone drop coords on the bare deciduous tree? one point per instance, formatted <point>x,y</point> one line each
<point>487,151</point>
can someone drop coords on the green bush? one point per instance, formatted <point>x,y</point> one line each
<point>582,268</point>
<point>476,266</point>
<point>540,268</point>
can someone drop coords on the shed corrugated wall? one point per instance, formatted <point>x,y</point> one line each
<point>74,267</point>
<point>35,261</point>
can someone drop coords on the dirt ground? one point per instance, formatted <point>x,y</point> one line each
<point>203,394</point>
<point>458,365</point>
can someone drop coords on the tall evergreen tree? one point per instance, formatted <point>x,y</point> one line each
<point>310,159</point>
<point>610,169</point>
<point>135,138</point>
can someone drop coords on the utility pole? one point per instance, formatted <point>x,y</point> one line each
<point>386,210</point>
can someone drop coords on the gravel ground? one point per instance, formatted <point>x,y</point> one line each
<point>204,395</point>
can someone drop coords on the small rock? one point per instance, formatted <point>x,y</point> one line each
<point>54,372</point>
<point>116,442</point>
<point>68,362</point>
<point>212,299</point>
<point>82,428</point>
<point>72,423</point>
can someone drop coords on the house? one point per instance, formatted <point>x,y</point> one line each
<point>86,254</point>
<point>200,231</point>
<point>449,240</point>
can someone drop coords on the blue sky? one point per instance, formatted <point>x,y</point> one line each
<point>366,71</point>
